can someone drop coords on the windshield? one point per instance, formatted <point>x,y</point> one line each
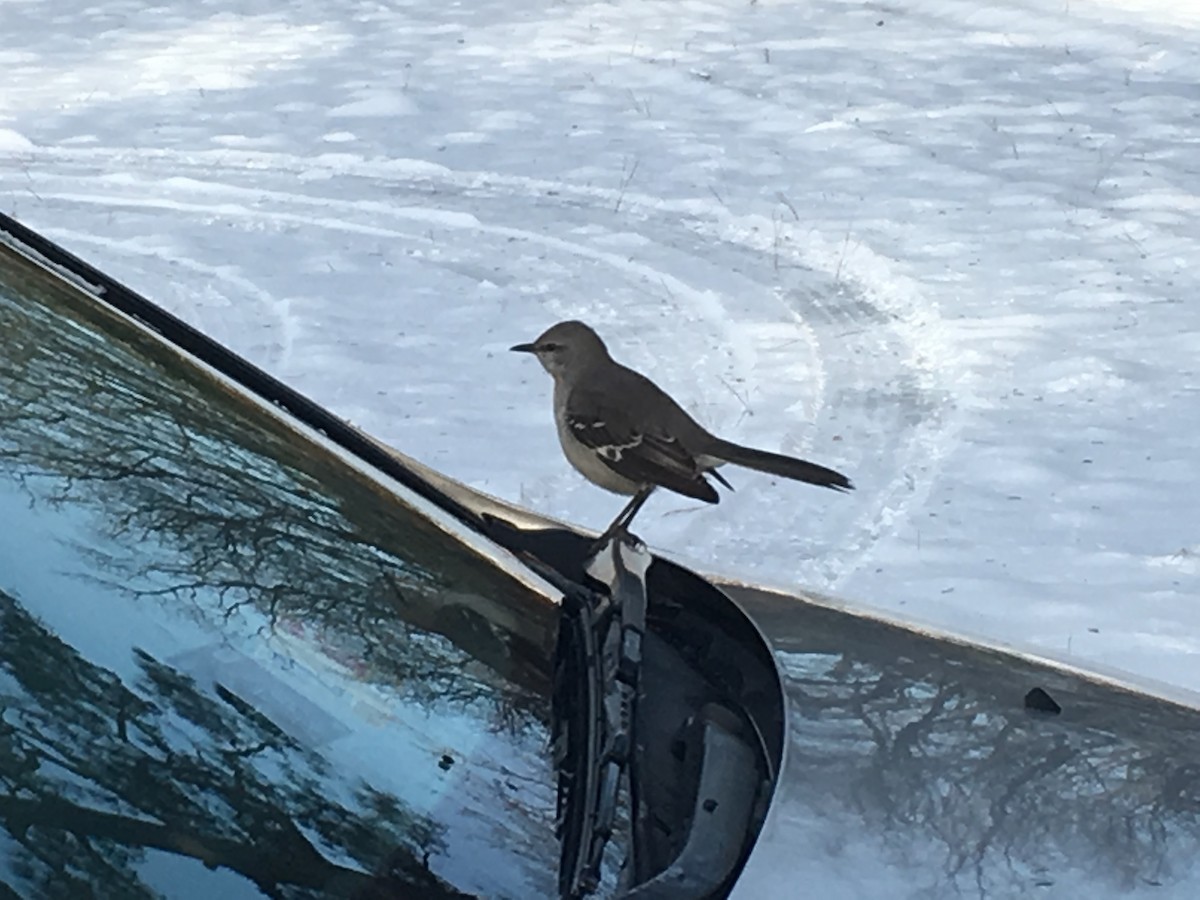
<point>230,663</point>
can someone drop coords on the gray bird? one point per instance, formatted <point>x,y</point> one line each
<point>623,433</point>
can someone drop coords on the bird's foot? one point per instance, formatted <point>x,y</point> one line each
<point>613,533</point>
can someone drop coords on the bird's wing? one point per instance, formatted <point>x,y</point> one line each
<point>642,455</point>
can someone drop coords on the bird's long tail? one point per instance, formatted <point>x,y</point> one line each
<point>784,466</point>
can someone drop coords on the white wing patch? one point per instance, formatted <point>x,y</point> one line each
<point>614,452</point>
<point>592,431</point>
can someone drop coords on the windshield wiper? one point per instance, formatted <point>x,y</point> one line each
<point>598,664</point>
<point>656,751</point>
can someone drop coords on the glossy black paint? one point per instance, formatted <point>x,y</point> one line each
<point>916,767</point>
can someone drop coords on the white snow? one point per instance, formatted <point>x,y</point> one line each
<point>949,247</point>
<point>12,142</point>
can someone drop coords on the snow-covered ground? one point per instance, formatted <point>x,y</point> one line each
<point>947,246</point>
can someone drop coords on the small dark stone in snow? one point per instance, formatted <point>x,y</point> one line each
<point>1038,701</point>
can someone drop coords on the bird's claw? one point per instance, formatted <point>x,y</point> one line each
<point>619,534</point>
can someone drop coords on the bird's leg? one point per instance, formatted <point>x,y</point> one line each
<point>623,520</point>
<point>632,508</point>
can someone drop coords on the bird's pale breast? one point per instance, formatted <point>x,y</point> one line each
<point>583,458</point>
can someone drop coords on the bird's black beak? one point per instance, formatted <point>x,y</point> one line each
<point>524,348</point>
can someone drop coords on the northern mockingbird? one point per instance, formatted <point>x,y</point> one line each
<point>626,435</point>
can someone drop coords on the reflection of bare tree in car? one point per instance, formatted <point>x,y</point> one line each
<point>953,762</point>
<point>188,503</point>
<point>76,742</point>
<point>214,512</point>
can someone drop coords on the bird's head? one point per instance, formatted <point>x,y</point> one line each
<point>566,348</point>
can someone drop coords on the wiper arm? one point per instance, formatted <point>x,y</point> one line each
<point>685,799</point>
<point>597,666</point>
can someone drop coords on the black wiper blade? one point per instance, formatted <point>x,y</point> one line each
<point>597,666</point>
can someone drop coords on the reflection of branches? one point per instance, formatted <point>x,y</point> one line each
<point>195,503</point>
<point>298,863</point>
<point>94,771</point>
<point>939,756</point>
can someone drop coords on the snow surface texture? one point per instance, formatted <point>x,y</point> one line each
<point>948,247</point>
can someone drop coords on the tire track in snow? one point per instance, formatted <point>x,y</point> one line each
<point>880,384</point>
<point>207,321</point>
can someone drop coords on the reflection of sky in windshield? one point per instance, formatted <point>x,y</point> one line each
<point>165,534</point>
<point>290,679</point>
<point>43,569</point>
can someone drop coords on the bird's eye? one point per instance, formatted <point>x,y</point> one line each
<point>550,347</point>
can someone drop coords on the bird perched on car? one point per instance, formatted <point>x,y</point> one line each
<point>624,433</point>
